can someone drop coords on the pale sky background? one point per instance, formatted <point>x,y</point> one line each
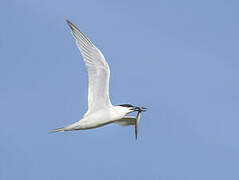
<point>178,58</point>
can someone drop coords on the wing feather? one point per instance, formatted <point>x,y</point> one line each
<point>98,71</point>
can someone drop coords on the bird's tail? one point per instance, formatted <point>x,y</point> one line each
<point>74,126</point>
<point>66,128</point>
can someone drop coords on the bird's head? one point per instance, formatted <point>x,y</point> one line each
<point>130,108</point>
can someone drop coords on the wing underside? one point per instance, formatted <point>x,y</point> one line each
<point>126,121</point>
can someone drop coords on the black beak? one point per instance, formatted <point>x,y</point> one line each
<point>140,109</point>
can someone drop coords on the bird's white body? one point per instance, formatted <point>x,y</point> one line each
<point>100,118</point>
<point>113,114</point>
<point>100,110</point>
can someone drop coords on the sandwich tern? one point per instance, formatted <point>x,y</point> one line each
<point>100,110</point>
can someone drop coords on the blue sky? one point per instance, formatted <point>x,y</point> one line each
<point>178,58</point>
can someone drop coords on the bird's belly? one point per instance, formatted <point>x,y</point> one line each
<point>95,120</point>
<point>91,124</point>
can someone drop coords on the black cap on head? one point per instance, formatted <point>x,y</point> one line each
<point>135,108</point>
<point>126,105</point>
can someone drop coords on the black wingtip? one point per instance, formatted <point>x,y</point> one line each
<point>75,29</point>
<point>72,26</point>
<point>69,22</point>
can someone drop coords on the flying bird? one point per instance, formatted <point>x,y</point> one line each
<point>100,110</point>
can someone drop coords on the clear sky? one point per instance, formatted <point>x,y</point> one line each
<point>178,58</point>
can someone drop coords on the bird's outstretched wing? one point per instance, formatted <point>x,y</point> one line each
<point>98,71</point>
